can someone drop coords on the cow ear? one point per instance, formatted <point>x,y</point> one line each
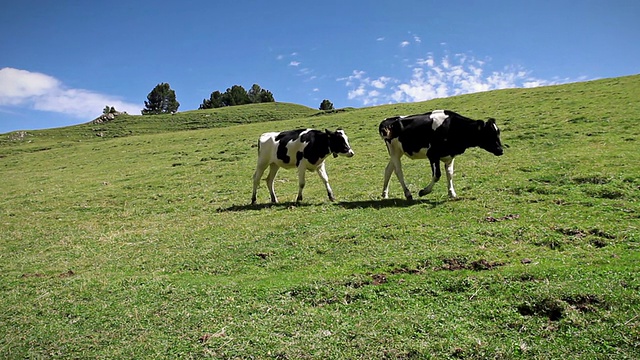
<point>327,131</point>
<point>491,121</point>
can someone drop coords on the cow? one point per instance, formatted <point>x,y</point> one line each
<point>438,135</point>
<point>304,149</point>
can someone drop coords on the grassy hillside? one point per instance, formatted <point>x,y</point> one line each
<point>134,125</point>
<point>145,246</point>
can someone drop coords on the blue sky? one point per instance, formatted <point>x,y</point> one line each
<point>61,62</point>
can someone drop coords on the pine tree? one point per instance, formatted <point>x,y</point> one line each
<point>266,96</point>
<point>161,100</point>
<point>326,105</point>
<point>254,94</point>
<point>214,101</point>
<point>236,95</point>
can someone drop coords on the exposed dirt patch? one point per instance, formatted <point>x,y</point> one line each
<point>453,264</point>
<point>379,279</point>
<point>483,264</point>
<point>571,232</point>
<point>406,269</point>
<point>34,275</point>
<point>458,353</point>
<point>67,274</point>
<point>357,282</point>
<point>462,264</point>
<point>263,256</point>
<point>204,338</point>
<point>585,302</point>
<point>580,234</point>
<point>551,308</point>
<point>63,275</point>
<point>506,217</point>
<point>602,234</point>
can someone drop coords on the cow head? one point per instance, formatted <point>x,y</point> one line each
<point>339,143</point>
<point>490,138</point>
<point>393,129</point>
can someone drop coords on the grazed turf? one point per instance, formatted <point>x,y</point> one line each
<point>145,246</point>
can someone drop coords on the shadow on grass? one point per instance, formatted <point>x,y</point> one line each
<point>362,204</point>
<point>388,203</point>
<point>282,205</point>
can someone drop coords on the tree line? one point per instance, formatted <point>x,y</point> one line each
<point>162,99</point>
<point>237,95</point>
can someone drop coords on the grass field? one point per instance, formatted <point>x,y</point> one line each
<point>141,243</point>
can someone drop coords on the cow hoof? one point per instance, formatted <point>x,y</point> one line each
<point>424,192</point>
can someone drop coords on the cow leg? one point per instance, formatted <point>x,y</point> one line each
<point>325,179</point>
<point>397,164</point>
<point>273,170</point>
<point>387,176</point>
<point>435,176</point>
<point>448,163</point>
<point>260,168</point>
<point>301,182</point>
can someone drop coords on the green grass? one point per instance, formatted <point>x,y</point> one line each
<point>135,125</point>
<point>144,245</point>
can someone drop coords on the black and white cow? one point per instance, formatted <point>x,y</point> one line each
<point>304,149</point>
<point>439,135</point>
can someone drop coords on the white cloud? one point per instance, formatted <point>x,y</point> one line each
<point>294,63</point>
<point>356,76</point>
<point>417,39</point>
<point>431,78</point>
<point>404,44</point>
<point>22,88</point>
<point>428,61</point>
<point>17,85</point>
<point>357,93</point>
<point>381,82</point>
<point>380,38</point>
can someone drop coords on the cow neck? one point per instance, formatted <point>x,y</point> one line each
<point>470,134</point>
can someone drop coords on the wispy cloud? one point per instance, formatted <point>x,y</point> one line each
<point>294,63</point>
<point>364,88</point>
<point>404,44</point>
<point>33,90</point>
<point>436,78</point>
